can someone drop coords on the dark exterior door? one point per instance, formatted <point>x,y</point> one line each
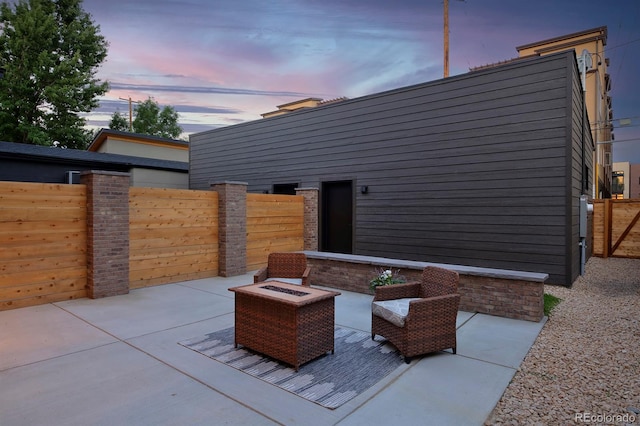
<point>337,216</point>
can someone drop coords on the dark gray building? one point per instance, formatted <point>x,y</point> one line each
<point>481,169</point>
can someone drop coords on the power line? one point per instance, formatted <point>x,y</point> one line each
<point>623,44</point>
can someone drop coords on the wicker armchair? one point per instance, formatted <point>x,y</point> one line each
<point>286,266</point>
<point>418,317</point>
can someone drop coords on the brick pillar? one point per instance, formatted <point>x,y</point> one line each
<point>232,227</point>
<point>107,232</point>
<point>310,217</point>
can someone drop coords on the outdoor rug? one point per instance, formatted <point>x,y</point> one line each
<point>330,380</point>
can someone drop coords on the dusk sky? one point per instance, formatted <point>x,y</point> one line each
<point>223,62</point>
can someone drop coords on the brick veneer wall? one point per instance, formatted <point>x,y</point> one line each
<point>232,227</point>
<point>107,233</point>
<point>517,299</point>
<point>509,298</point>
<point>310,217</point>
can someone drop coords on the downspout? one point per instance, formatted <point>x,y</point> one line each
<point>582,213</point>
<point>583,73</point>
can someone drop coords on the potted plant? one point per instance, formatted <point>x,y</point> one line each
<point>386,277</point>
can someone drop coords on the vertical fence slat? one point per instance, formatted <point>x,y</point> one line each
<point>606,240</point>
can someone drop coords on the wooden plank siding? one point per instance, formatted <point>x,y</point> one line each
<point>274,223</point>
<point>173,235</point>
<point>477,169</point>
<point>43,243</point>
<point>616,228</point>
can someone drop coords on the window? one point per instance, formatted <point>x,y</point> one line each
<point>585,178</point>
<point>285,188</point>
<point>72,177</point>
<point>617,184</point>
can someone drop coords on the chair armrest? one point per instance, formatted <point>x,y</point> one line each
<point>261,275</point>
<point>305,277</point>
<point>434,307</point>
<point>397,291</point>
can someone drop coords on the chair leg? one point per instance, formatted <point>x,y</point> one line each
<point>407,359</point>
<point>454,350</point>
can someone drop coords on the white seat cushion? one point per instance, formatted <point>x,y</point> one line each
<point>395,311</point>
<point>297,281</point>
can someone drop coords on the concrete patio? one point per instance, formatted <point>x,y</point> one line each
<point>116,361</point>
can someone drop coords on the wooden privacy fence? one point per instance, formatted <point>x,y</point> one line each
<point>274,223</point>
<point>173,235</point>
<point>43,243</point>
<point>616,228</point>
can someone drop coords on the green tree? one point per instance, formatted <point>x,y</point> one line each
<point>119,122</point>
<point>151,120</point>
<point>50,51</point>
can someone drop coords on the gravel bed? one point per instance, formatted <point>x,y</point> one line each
<point>584,366</point>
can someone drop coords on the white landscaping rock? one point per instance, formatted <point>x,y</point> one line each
<point>586,360</point>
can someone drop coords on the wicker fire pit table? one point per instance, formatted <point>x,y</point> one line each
<point>290,323</point>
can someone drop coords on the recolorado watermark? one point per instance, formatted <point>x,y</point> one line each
<point>599,418</point>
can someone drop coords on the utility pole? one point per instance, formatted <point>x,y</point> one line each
<point>446,38</point>
<point>130,111</point>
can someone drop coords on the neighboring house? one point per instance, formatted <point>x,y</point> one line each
<point>34,163</point>
<point>146,146</point>
<point>626,180</point>
<point>619,187</point>
<point>482,169</point>
<point>589,44</point>
<point>137,145</point>
<point>297,105</point>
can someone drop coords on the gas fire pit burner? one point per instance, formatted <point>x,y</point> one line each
<point>285,290</point>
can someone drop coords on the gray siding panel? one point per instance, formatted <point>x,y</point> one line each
<point>471,169</point>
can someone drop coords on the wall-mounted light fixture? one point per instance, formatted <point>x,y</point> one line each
<point>364,189</point>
